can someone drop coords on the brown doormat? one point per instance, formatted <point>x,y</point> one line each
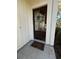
<point>38,45</point>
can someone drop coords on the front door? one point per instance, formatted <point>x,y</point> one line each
<point>39,22</point>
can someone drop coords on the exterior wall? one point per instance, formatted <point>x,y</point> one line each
<point>30,24</point>
<point>23,10</point>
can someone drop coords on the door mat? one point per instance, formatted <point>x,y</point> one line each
<point>38,45</point>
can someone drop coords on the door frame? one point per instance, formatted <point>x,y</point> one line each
<point>34,21</point>
<point>51,20</point>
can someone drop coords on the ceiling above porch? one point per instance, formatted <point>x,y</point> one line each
<point>34,2</point>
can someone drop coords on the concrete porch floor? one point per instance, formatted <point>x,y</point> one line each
<point>29,52</point>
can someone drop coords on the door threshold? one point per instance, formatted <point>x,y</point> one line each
<point>43,42</point>
<point>39,41</point>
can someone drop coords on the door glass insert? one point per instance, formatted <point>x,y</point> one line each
<point>39,22</point>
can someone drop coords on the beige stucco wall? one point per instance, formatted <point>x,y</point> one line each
<point>23,17</point>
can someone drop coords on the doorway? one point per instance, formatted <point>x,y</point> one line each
<point>39,22</point>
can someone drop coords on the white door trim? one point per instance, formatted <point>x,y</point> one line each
<point>51,21</point>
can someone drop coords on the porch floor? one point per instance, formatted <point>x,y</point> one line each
<point>29,52</point>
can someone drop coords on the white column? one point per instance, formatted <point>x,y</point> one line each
<point>53,21</point>
<point>49,11</point>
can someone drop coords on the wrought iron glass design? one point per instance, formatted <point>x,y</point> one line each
<point>39,22</point>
